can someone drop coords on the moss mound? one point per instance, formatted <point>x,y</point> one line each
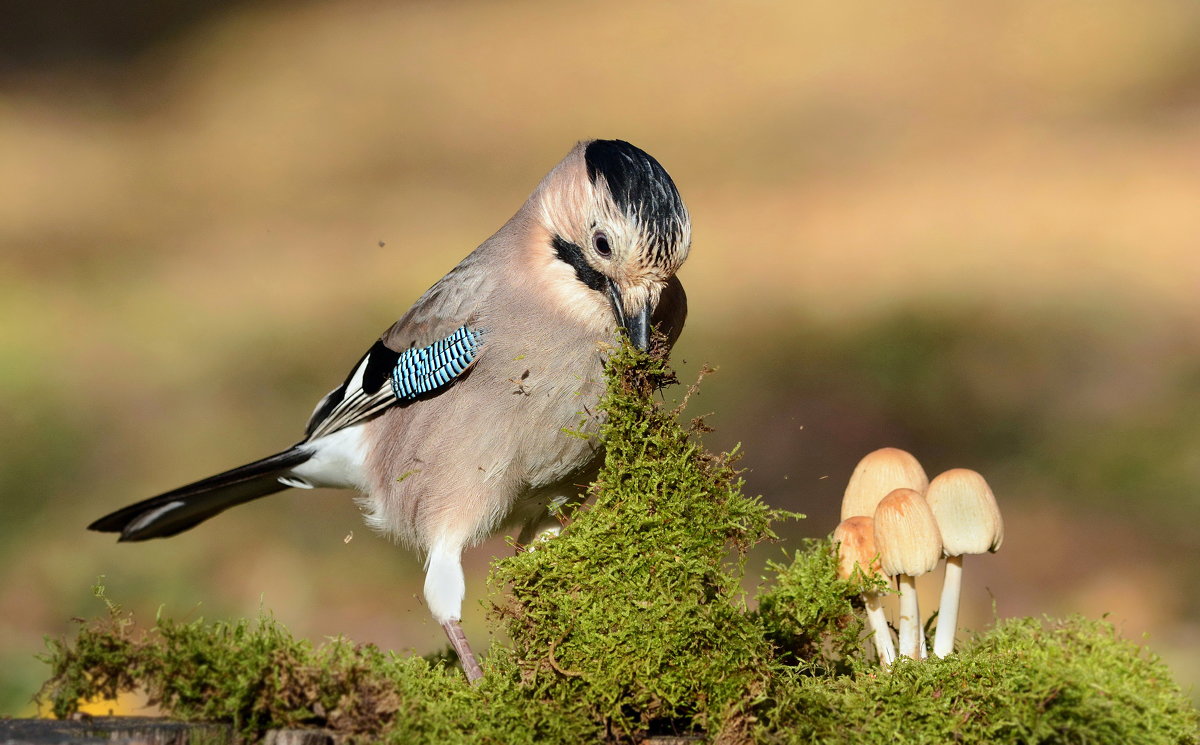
<point>1028,681</point>
<point>634,617</point>
<point>632,624</point>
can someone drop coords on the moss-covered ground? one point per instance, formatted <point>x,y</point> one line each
<point>632,623</point>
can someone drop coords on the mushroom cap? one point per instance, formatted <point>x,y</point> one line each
<point>877,474</point>
<point>906,534</point>
<point>856,547</point>
<point>966,512</point>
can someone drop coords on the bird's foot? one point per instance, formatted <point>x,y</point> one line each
<point>466,657</point>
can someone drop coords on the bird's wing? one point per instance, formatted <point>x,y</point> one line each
<point>421,354</point>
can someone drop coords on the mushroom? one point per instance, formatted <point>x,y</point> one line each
<point>909,545</point>
<point>856,550</point>
<point>877,474</point>
<point>970,523</point>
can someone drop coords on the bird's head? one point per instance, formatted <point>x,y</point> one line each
<point>613,231</point>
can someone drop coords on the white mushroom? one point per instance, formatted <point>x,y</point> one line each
<point>909,545</point>
<point>876,475</point>
<point>856,550</point>
<point>970,523</point>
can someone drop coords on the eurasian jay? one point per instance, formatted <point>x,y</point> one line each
<point>458,420</point>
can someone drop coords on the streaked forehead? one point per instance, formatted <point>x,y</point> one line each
<point>640,186</point>
<point>643,190</point>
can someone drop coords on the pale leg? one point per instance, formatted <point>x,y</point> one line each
<point>444,591</point>
<point>466,657</point>
<point>544,534</point>
<point>540,525</point>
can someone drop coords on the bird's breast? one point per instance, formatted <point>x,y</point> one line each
<point>522,420</point>
<point>551,394</point>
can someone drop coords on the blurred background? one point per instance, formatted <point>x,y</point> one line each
<point>967,230</point>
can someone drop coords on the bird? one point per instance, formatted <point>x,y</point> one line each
<point>463,417</point>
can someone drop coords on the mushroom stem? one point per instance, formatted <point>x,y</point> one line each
<point>910,617</point>
<point>943,640</point>
<point>884,649</point>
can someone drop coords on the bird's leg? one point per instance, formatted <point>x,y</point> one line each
<point>444,590</point>
<point>466,657</point>
<point>536,536</point>
<point>541,525</point>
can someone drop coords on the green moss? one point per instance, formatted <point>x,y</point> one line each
<point>813,618</point>
<point>255,675</point>
<point>633,623</point>
<point>634,616</point>
<point>1027,681</point>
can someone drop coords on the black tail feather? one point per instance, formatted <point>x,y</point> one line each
<point>186,507</point>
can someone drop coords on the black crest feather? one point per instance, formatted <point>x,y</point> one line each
<point>641,188</point>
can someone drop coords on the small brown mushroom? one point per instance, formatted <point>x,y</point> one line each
<point>856,551</point>
<point>970,523</point>
<point>876,475</point>
<point>910,545</point>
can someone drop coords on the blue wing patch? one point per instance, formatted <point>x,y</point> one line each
<point>419,371</point>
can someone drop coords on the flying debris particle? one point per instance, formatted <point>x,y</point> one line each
<point>349,537</point>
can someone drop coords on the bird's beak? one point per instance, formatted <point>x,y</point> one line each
<point>636,325</point>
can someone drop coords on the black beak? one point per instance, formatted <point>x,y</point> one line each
<point>637,325</point>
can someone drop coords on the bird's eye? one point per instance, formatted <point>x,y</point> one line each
<point>600,243</point>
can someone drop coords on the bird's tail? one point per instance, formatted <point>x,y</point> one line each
<point>188,506</point>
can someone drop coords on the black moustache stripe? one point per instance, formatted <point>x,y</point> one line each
<point>572,254</point>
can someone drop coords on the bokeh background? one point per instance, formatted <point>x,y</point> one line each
<point>968,230</point>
